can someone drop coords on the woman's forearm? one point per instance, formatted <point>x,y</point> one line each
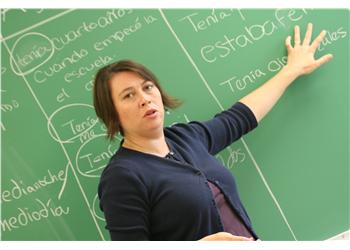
<point>261,100</point>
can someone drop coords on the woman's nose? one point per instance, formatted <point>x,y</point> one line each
<point>144,100</point>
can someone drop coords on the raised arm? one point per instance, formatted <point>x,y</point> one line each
<point>301,61</point>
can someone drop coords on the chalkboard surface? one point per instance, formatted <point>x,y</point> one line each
<point>292,171</point>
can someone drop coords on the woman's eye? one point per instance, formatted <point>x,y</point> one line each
<point>130,95</point>
<point>149,86</point>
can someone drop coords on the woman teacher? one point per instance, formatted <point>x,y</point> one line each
<point>164,183</point>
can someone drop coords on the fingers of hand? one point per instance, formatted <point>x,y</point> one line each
<point>288,44</point>
<point>307,38</point>
<point>317,63</point>
<point>318,40</point>
<point>308,34</point>
<point>241,238</point>
<point>323,60</point>
<point>296,35</point>
<point>231,237</point>
<point>238,238</point>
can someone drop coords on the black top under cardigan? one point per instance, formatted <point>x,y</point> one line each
<point>147,197</point>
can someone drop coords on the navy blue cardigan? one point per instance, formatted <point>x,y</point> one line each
<point>146,197</point>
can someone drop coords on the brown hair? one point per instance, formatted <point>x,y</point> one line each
<point>103,102</point>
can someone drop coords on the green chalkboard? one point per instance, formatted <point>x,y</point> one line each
<point>292,171</point>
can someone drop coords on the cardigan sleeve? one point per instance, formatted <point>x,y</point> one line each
<point>123,199</point>
<point>225,128</point>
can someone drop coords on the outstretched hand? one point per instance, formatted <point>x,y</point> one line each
<point>301,56</point>
<point>301,61</point>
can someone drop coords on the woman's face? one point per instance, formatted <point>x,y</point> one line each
<point>138,103</point>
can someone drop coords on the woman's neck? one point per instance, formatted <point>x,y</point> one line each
<point>156,146</point>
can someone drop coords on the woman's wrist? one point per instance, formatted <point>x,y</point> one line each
<point>291,71</point>
<point>290,74</point>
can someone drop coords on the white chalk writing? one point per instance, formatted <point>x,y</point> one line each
<point>42,75</point>
<point>230,43</point>
<point>331,37</point>
<point>235,157</point>
<point>241,83</point>
<point>26,216</point>
<point>19,189</point>
<point>109,18</point>
<point>216,16</point>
